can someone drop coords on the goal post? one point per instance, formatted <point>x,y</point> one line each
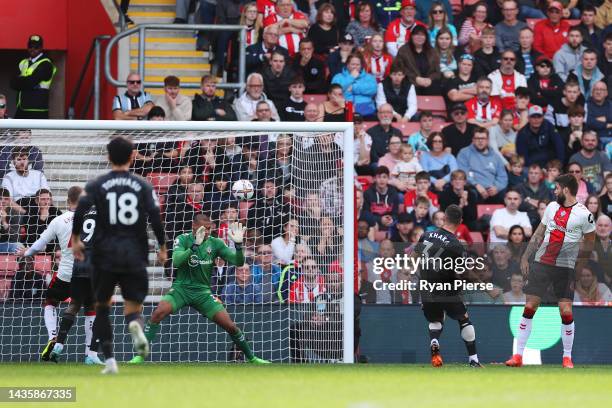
<point>311,316</point>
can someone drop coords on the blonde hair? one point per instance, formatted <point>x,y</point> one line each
<point>257,27</point>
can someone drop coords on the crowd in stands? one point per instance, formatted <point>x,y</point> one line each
<point>521,92</point>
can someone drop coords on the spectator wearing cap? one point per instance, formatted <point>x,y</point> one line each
<point>310,68</point>
<point>134,103</point>
<point>381,201</point>
<point>603,18</point>
<point>292,25</point>
<point>245,106</point>
<point>336,61</point>
<point>358,86</point>
<point>277,76</point>
<point>293,109</point>
<point>551,33</point>
<point>506,79</point>
<point>324,31</point>
<point>33,81</point>
<point>381,133</point>
<point>538,142</point>
<point>259,54</point>
<point>483,109</point>
<point>176,105</point>
<point>364,26</point>
<point>397,91</point>
<point>463,86</point>
<point>399,30</point>
<point>569,55</point>
<point>507,31</point>
<point>403,228</point>
<point>526,55</point>
<point>208,106</point>
<point>485,169</point>
<point>599,112</point>
<point>458,134</point>
<point>545,85</point>
<point>3,107</point>
<point>421,62</point>
<point>586,73</point>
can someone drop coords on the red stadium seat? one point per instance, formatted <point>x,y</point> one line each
<point>161,181</point>
<point>365,181</point>
<point>438,126</point>
<point>315,98</point>
<point>8,265</point>
<point>409,128</point>
<point>243,209</point>
<point>574,22</point>
<point>435,104</point>
<point>43,264</point>
<point>487,209</point>
<point>479,243</point>
<point>368,125</point>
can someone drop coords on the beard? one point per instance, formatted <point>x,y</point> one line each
<point>386,122</point>
<point>483,97</point>
<point>561,199</point>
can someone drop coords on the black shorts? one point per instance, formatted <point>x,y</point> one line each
<point>134,285</point>
<point>82,292</point>
<point>544,280</point>
<point>434,311</point>
<point>58,290</point>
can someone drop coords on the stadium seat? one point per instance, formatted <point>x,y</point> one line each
<point>243,209</point>
<point>409,128</point>
<point>487,209</point>
<point>43,264</point>
<point>432,103</point>
<point>315,98</point>
<point>438,126</point>
<point>365,181</point>
<point>479,243</point>
<point>8,265</point>
<point>161,181</point>
<point>368,125</point>
<point>574,22</point>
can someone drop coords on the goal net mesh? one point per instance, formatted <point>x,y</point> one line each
<point>287,297</point>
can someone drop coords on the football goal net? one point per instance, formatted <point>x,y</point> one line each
<point>293,297</point>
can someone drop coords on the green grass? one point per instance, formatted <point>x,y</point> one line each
<point>355,386</point>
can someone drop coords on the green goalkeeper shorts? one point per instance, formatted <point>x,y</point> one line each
<point>198,297</point>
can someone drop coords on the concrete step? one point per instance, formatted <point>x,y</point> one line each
<point>165,43</point>
<point>74,159</point>
<point>174,55</point>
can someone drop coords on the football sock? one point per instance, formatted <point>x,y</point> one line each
<point>134,316</point>
<point>89,320</point>
<point>65,324</point>
<point>151,330</point>
<point>51,320</point>
<point>435,331</point>
<point>524,330</point>
<point>93,345</point>
<point>104,331</point>
<point>567,334</point>
<point>241,342</point>
<point>468,334</point>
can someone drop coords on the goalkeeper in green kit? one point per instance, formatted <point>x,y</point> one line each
<point>194,258</point>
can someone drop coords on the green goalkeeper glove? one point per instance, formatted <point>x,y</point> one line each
<point>236,233</point>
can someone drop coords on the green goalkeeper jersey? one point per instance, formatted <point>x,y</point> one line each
<point>195,268</point>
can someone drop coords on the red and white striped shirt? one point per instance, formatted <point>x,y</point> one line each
<point>483,112</point>
<point>397,34</point>
<point>565,227</point>
<point>290,41</point>
<point>379,66</point>
<point>251,37</point>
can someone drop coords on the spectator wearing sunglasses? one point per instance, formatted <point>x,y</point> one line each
<point>134,104</point>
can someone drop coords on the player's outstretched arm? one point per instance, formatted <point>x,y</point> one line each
<point>235,233</point>
<point>534,244</point>
<point>40,244</point>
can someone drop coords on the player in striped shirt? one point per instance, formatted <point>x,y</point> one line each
<point>558,252</point>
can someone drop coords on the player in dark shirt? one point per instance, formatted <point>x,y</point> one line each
<point>441,255</point>
<point>123,202</point>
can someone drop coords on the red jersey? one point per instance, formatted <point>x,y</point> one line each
<point>380,67</point>
<point>399,33</point>
<point>486,112</point>
<point>410,198</point>
<point>463,234</point>
<point>289,41</point>
<point>266,7</point>
<point>548,39</point>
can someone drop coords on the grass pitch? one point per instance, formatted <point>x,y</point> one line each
<point>292,386</point>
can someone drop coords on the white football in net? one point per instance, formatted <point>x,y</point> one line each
<point>243,190</point>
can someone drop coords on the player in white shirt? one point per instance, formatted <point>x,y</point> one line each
<point>60,228</point>
<point>557,240</point>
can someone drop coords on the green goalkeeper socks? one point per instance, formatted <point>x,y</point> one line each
<point>151,330</point>
<point>240,340</point>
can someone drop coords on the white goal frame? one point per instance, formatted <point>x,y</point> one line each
<point>346,128</point>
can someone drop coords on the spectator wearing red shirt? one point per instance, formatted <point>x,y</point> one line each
<point>292,25</point>
<point>483,109</point>
<point>423,184</point>
<point>399,30</point>
<point>506,79</point>
<point>377,60</point>
<point>551,34</point>
<point>266,8</point>
<point>309,285</point>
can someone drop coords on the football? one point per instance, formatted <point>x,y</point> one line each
<point>243,190</point>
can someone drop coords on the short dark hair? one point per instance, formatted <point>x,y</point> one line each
<point>19,151</point>
<point>569,181</point>
<point>172,80</point>
<point>4,192</point>
<point>458,173</point>
<point>381,170</point>
<point>589,7</point>
<point>200,217</point>
<point>119,150</point>
<point>522,91</point>
<point>453,214</point>
<point>43,191</point>
<point>422,200</point>
<point>422,175</point>
<point>74,193</point>
<point>426,114</point>
<point>575,28</point>
<point>590,51</point>
<point>480,129</point>
<point>156,112</point>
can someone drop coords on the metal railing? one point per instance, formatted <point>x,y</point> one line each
<point>95,52</point>
<point>142,31</point>
<point>121,22</point>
